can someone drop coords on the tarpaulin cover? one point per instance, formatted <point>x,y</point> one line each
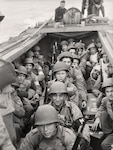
<point>77,35</point>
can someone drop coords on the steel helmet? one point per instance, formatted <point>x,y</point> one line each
<point>46,114</point>
<point>65,55</point>
<point>70,47</point>
<point>64,43</point>
<point>59,66</point>
<point>76,57</point>
<point>79,45</point>
<point>36,48</point>
<point>29,61</point>
<point>107,83</point>
<point>58,87</point>
<point>71,40</point>
<point>92,45</point>
<point>22,70</point>
<point>30,54</point>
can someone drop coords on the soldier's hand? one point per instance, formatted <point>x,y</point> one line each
<point>61,119</point>
<point>96,124</point>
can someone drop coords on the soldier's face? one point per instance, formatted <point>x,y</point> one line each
<point>29,67</point>
<point>109,92</point>
<point>93,50</point>
<point>67,61</point>
<point>48,130</point>
<point>61,75</point>
<point>75,63</point>
<point>80,51</point>
<point>62,4</point>
<point>72,51</point>
<point>58,99</point>
<point>64,48</point>
<point>36,54</point>
<point>105,58</point>
<point>21,78</point>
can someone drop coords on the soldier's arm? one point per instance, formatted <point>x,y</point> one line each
<point>69,139</point>
<point>101,108</point>
<point>31,140</point>
<point>76,112</point>
<point>109,109</point>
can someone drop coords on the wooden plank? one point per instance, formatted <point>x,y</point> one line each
<point>14,50</point>
<point>38,30</point>
<point>107,46</point>
<point>110,38</point>
<point>13,44</point>
<point>76,28</point>
<point>15,53</point>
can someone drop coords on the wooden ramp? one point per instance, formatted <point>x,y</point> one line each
<point>77,28</point>
<point>107,42</point>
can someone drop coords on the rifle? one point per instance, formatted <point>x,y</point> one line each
<point>45,91</point>
<point>55,49</point>
<point>77,141</point>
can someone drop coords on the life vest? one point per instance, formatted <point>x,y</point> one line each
<point>56,143</point>
<point>72,16</point>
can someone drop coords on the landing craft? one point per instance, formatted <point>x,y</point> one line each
<point>50,33</point>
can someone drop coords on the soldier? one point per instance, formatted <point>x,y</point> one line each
<point>93,52</point>
<point>60,71</point>
<point>36,51</point>
<point>29,54</point>
<point>76,61</point>
<point>18,114</point>
<point>24,89</point>
<point>7,111</point>
<point>93,7</point>
<point>48,134</point>
<point>94,82</point>
<point>33,77</point>
<point>69,114</point>
<point>71,42</point>
<point>60,11</point>
<point>104,115</point>
<point>80,48</point>
<point>72,49</point>
<point>104,62</point>
<point>7,76</point>
<point>75,76</point>
<point>64,46</point>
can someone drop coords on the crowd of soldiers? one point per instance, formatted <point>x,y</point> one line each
<point>45,105</point>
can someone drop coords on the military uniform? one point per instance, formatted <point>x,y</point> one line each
<point>63,140</point>
<point>59,12</point>
<point>5,143</point>
<point>70,113</point>
<point>71,89</point>
<point>60,138</point>
<point>7,109</point>
<point>79,82</point>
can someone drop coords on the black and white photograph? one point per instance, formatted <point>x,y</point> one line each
<point>56,74</point>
